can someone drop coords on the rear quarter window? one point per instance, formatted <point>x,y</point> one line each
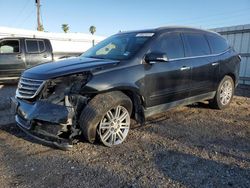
<point>41,46</point>
<point>217,43</point>
<point>195,44</point>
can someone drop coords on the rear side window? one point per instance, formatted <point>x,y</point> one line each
<point>217,43</point>
<point>9,46</point>
<point>171,44</point>
<point>195,44</point>
<point>35,46</point>
<point>32,46</point>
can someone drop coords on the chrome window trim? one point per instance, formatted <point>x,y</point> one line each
<point>193,57</point>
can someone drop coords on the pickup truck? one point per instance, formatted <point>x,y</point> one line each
<point>18,54</point>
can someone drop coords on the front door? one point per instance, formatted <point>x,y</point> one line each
<point>12,61</point>
<point>169,81</point>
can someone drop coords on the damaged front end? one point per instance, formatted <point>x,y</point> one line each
<point>49,110</point>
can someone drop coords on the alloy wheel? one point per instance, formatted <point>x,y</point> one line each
<point>226,92</point>
<point>114,126</point>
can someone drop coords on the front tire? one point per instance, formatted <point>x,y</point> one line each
<point>224,94</point>
<point>108,115</point>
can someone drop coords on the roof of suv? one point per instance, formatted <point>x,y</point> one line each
<point>172,28</point>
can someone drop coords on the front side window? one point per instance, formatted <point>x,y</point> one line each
<point>9,46</point>
<point>217,43</point>
<point>170,44</point>
<point>119,47</point>
<point>195,44</point>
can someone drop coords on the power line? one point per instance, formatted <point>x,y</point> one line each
<point>206,17</point>
<point>232,16</point>
<point>27,17</point>
<point>21,11</point>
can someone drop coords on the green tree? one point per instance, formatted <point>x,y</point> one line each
<point>65,28</point>
<point>92,30</point>
<point>41,28</point>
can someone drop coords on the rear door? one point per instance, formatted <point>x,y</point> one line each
<point>198,53</point>
<point>166,82</point>
<point>36,52</point>
<point>11,58</point>
<point>218,47</point>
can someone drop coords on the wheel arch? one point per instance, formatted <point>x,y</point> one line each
<point>230,74</point>
<point>130,90</point>
<point>138,105</point>
<point>233,77</point>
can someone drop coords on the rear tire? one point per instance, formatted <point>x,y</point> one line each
<point>99,116</point>
<point>224,94</point>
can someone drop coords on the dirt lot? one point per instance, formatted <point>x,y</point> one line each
<point>190,146</point>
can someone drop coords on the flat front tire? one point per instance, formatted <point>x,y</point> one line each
<point>108,117</point>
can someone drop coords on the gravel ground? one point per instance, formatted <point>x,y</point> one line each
<point>191,146</point>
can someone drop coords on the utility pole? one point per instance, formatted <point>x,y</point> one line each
<point>39,26</point>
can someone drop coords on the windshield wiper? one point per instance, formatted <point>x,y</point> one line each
<point>96,57</point>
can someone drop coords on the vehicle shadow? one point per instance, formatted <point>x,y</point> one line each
<point>201,172</point>
<point>6,91</point>
<point>203,105</point>
<point>6,114</point>
<point>7,122</point>
<point>243,91</point>
<point>15,131</point>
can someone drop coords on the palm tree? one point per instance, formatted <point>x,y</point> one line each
<point>41,28</point>
<point>65,28</point>
<point>92,30</point>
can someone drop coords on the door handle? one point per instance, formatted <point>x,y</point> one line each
<point>214,64</point>
<point>19,56</point>
<point>45,56</point>
<point>185,68</point>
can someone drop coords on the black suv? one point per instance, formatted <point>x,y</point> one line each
<point>129,75</point>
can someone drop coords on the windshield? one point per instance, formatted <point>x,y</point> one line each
<point>119,47</point>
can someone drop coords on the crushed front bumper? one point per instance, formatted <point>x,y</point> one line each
<point>42,121</point>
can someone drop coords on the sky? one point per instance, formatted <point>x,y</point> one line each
<point>111,16</point>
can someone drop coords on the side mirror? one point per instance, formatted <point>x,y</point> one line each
<point>155,57</point>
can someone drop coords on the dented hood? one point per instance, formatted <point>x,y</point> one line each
<point>66,67</point>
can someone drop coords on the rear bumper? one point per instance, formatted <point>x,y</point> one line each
<point>42,121</point>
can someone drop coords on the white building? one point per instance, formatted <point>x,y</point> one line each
<point>70,43</point>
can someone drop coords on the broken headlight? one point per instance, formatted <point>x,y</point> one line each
<point>56,89</point>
